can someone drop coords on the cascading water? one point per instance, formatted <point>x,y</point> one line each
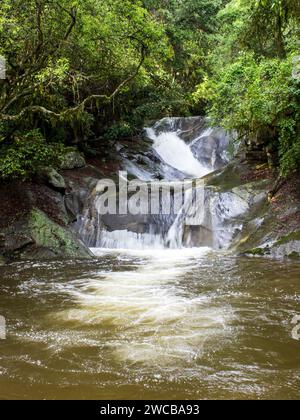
<point>176,153</point>
<point>179,148</point>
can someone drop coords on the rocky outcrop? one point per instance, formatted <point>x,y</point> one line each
<point>38,238</point>
<point>79,183</point>
<point>52,240</point>
<point>271,229</point>
<point>243,220</point>
<point>36,225</point>
<point>232,199</point>
<point>212,148</point>
<point>268,237</point>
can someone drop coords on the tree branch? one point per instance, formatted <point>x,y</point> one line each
<point>73,15</point>
<point>35,109</point>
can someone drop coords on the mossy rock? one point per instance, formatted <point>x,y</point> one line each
<point>294,255</point>
<point>294,236</point>
<point>73,160</point>
<point>257,252</point>
<point>286,247</point>
<point>226,179</point>
<point>51,240</point>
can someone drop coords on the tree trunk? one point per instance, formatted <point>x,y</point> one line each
<point>280,46</point>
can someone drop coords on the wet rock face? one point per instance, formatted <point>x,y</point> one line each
<point>228,210</point>
<point>38,237</point>
<point>212,148</point>
<point>187,128</point>
<point>35,224</point>
<point>77,196</point>
<point>175,149</point>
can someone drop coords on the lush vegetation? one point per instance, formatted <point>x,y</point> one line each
<point>80,70</point>
<point>254,83</point>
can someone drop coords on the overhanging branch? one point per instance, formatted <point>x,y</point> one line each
<point>35,109</point>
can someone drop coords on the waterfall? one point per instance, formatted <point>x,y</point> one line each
<point>179,148</point>
<point>177,154</point>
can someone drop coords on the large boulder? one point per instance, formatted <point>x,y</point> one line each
<point>54,239</point>
<point>231,202</point>
<point>73,160</point>
<point>38,237</point>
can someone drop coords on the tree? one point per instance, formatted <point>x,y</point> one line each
<point>66,58</point>
<point>252,88</point>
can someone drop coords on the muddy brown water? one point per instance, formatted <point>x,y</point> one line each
<point>182,324</point>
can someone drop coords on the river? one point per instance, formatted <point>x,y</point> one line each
<point>166,324</point>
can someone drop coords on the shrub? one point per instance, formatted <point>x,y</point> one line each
<point>26,154</point>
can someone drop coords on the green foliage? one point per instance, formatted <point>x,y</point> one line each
<point>61,52</point>
<point>189,25</point>
<point>121,130</point>
<point>254,86</point>
<point>77,67</point>
<point>27,154</point>
<point>249,94</point>
<point>85,69</point>
<point>289,146</point>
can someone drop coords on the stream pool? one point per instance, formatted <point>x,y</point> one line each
<point>165,324</point>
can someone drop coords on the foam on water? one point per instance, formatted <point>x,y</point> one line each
<point>155,318</point>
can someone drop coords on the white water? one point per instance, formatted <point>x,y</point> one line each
<point>138,172</point>
<point>176,153</point>
<point>155,320</point>
<point>123,239</point>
